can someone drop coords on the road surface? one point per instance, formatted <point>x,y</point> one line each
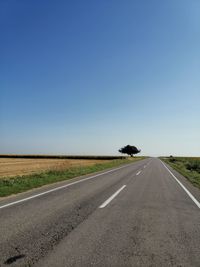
<point>137,215</point>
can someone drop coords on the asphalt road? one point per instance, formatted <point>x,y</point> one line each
<point>138,215</point>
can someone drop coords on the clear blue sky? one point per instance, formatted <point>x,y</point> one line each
<point>87,77</point>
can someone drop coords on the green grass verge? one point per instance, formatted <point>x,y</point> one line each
<point>187,166</point>
<point>19,184</point>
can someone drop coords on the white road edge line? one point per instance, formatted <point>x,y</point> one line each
<point>59,187</point>
<point>184,188</point>
<point>138,173</point>
<point>112,197</point>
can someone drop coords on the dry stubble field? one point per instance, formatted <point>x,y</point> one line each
<point>10,167</point>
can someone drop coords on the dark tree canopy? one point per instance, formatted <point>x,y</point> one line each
<point>130,150</point>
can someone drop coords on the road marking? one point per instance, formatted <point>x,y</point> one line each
<point>60,187</point>
<point>112,197</point>
<point>184,188</point>
<point>144,166</point>
<point>138,173</point>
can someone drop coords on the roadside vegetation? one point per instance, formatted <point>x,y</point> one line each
<point>59,157</point>
<point>17,184</point>
<point>187,166</point>
<point>26,166</point>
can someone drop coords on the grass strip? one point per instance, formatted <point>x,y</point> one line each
<point>14,185</point>
<point>183,166</point>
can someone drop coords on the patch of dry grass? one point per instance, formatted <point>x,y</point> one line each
<point>10,167</point>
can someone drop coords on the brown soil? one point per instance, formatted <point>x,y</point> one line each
<point>13,166</point>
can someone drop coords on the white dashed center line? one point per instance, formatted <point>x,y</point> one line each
<point>112,197</point>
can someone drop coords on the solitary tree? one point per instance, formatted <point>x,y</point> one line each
<point>130,150</point>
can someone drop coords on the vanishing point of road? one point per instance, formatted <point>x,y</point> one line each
<point>140,214</point>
